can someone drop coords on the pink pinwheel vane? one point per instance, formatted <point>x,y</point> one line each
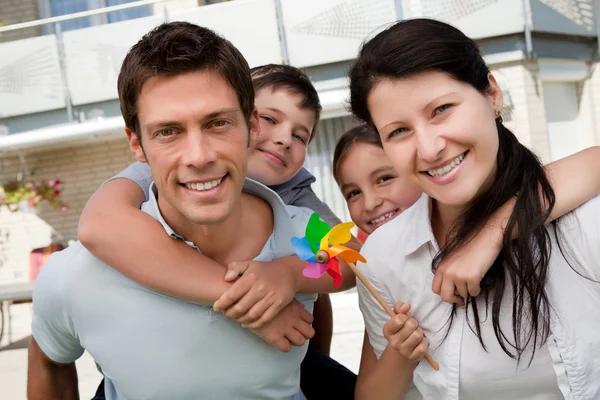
<point>322,246</point>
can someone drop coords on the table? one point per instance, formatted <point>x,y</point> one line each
<point>13,292</point>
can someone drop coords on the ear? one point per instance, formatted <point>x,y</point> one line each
<point>494,93</point>
<point>253,128</point>
<point>136,146</point>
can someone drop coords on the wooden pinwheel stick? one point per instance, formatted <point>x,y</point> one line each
<point>385,306</point>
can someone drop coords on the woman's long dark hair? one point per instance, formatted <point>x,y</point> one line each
<point>414,46</point>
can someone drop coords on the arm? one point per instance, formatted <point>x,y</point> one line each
<point>463,271</point>
<point>167,265</point>
<point>323,324</point>
<point>387,378</point>
<point>49,380</point>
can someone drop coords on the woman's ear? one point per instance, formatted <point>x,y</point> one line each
<point>494,93</point>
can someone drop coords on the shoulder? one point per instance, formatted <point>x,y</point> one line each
<point>299,217</point>
<point>64,268</point>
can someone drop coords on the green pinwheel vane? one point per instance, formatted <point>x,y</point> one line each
<point>322,246</point>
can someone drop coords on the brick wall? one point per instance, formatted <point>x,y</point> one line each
<point>82,169</point>
<point>15,11</point>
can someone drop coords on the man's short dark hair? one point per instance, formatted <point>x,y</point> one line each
<point>175,48</point>
<point>279,76</point>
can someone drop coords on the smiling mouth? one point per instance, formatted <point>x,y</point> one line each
<point>446,169</point>
<point>385,217</point>
<point>204,186</point>
<point>274,157</point>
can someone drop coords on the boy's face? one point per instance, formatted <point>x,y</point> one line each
<point>285,128</point>
<point>195,138</point>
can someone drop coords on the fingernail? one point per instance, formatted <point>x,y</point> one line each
<point>244,326</point>
<point>230,274</point>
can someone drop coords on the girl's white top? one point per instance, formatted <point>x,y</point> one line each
<point>399,256</point>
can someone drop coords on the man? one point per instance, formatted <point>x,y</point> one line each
<point>188,104</point>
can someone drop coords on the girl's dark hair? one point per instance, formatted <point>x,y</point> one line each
<point>362,133</point>
<point>414,46</point>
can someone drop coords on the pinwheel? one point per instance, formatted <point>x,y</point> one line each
<point>322,247</point>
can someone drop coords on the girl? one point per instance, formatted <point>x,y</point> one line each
<point>532,332</point>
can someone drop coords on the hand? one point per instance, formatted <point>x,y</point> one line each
<point>459,275</point>
<point>291,327</point>
<point>259,294</point>
<point>404,335</point>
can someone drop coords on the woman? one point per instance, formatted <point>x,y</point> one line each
<point>532,332</point>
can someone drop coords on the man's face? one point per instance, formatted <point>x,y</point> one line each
<point>195,139</point>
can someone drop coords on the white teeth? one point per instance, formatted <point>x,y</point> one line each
<point>447,168</point>
<point>202,186</point>
<point>383,217</point>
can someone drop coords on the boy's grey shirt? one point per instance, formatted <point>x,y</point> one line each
<point>295,192</point>
<point>153,346</point>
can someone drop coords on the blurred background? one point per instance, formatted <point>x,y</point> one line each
<point>61,132</point>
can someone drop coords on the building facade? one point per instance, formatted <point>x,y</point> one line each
<point>59,114</point>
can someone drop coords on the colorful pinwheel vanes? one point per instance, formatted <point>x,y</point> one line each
<point>322,247</point>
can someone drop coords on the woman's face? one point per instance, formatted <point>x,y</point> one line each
<point>373,190</point>
<point>439,133</point>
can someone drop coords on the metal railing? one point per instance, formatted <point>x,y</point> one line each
<point>82,14</point>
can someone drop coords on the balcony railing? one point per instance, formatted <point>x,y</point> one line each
<point>76,68</point>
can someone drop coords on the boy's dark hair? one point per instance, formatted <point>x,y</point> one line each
<point>175,48</point>
<point>279,76</point>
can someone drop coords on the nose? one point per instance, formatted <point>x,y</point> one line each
<point>283,136</point>
<point>371,200</point>
<point>198,149</point>
<point>429,145</point>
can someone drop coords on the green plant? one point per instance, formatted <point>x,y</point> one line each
<point>18,193</point>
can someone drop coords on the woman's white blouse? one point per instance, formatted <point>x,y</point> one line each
<point>399,256</point>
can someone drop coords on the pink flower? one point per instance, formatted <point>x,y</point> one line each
<point>56,192</point>
<point>51,183</point>
<point>31,202</point>
<point>64,209</point>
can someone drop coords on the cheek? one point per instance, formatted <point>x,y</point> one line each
<point>399,156</point>
<point>356,210</point>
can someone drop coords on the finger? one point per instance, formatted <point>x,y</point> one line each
<point>461,289</point>
<point>401,308</point>
<point>255,313</point>
<point>447,292</point>
<point>438,278</point>
<point>295,337</point>
<point>409,327</point>
<point>266,317</point>
<point>239,309</point>
<point>411,342</point>
<point>305,329</point>
<point>420,350</point>
<point>474,287</point>
<point>282,344</point>
<point>233,294</point>
<point>394,325</point>
<point>306,316</point>
<point>235,269</point>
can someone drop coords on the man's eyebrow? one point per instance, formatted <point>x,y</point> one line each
<point>215,114</point>
<point>161,124</point>
<point>221,112</point>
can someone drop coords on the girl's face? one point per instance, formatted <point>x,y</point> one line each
<point>439,133</point>
<point>373,190</point>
